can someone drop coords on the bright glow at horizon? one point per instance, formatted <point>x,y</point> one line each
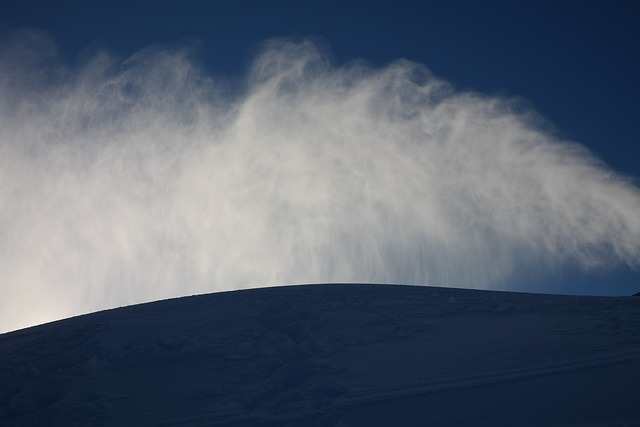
<point>124,182</point>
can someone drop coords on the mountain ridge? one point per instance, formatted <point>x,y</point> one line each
<point>331,354</point>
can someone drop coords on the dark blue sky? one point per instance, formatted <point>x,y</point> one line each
<point>576,62</point>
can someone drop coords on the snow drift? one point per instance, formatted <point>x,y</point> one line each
<point>332,355</point>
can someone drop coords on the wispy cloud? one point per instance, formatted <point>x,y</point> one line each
<point>127,181</point>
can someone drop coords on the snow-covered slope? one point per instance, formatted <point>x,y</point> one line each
<point>347,355</point>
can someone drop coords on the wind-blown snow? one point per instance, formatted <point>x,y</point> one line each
<point>135,180</point>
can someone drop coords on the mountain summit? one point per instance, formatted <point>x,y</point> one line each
<point>331,355</point>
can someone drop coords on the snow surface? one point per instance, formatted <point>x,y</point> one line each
<point>343,355</point>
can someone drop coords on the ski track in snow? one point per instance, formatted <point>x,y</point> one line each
<point>328,355</point>
<point>485,378</point>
